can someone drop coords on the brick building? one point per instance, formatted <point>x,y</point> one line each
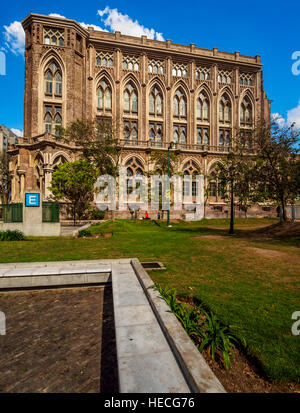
<point>154,92</point>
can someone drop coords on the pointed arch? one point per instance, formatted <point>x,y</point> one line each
<point>247,109</point>
<point>180,103</point>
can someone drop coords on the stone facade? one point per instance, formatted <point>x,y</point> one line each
<point>154,92</point>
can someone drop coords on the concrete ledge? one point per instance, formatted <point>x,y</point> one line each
<point>155,354</point>
<point>198,374</point>
<point>86,226</point>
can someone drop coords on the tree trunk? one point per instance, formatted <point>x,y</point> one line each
<point>284,217</point>
<point>74,214</point>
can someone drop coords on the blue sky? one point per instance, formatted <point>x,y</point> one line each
<point>267,28</point>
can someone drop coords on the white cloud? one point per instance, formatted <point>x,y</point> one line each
<point>276,117</point>
<point>98,28</point>
<point>293,115</point>
<point>17,132</point>
<point>122,22</point>
<point>57,15</point>
<point>15,38</point>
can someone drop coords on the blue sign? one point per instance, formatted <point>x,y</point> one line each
<point>32,200</point>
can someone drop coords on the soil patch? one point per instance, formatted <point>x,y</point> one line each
<point>208,237</point>
<point>244,376</point>
<point>272,253</point>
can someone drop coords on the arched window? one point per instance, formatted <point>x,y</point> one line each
<point>190,169</point>
<point>104,97</point>
<point>225,109</point>
<point>216,188</point>
<point>130,99</point>
<point>53,80</point>
<point>53,119</point>
<point>155,102</point>
<point>180,106</point>
<point>130,132</point>
<point>203,107</point>
<point>134,168</point>
<point>246,112</point>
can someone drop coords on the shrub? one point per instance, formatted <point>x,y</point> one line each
<point>85,233</point>
<point>9,235</point>
<point>202,325</point>
<point>97,214</point>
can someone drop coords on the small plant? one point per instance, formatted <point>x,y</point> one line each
<point>84,233</point>
<point>217,336</point>
<point>202,325</point>
<point>9,235</point>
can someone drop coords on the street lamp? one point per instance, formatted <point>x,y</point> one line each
<point>231,230</point>
<point>168,211</point>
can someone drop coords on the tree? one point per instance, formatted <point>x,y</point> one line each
<point>74,182</point>
<point>277,163</point>
<point>95,141</point>
<point>5,179</point>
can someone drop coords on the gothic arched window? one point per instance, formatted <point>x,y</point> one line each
<point>130,99</point>
<point>53,80</point>
<point>180,105</point>
<point>155,102</point>
<point>246,112</point>
<point>203,107</point>
<point>104,97</point>
<point>225,109</point>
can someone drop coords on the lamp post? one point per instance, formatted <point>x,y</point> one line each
<point>168,211</point>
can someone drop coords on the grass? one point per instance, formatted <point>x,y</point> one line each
<point>248,282</point>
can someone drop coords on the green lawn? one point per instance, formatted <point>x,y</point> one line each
<point>250,283</point>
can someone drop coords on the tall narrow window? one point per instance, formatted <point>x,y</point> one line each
<point>246,112</point>
<point>203,107</point>
<point>225,109</point>
<point>104,97</point>
<point>155,102</point>
<point>53,119</point>
<point>130,99</point>
<point>180,105</point>
<point>53,80</point>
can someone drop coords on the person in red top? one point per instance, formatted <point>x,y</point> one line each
<point>147,215</point>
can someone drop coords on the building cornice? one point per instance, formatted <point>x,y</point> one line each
<point>149,46</point>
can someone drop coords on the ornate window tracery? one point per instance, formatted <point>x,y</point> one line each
<point>180,70</point>
<point>246,79</point>
<point>131,63</point>
<point>224,76</point>
<point>54,37</point>
<point>104,59</point>
<point>203,73</point>
<point>156,66</point>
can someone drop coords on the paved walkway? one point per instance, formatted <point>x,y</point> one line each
<point>155,355</point>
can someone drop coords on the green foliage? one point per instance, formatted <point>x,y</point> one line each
<point>203,325</point>
<point>9,235</point>
<point>96,143</point>
<point>84,233</point>
<point>97,214</point>
<point>74,182</point>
